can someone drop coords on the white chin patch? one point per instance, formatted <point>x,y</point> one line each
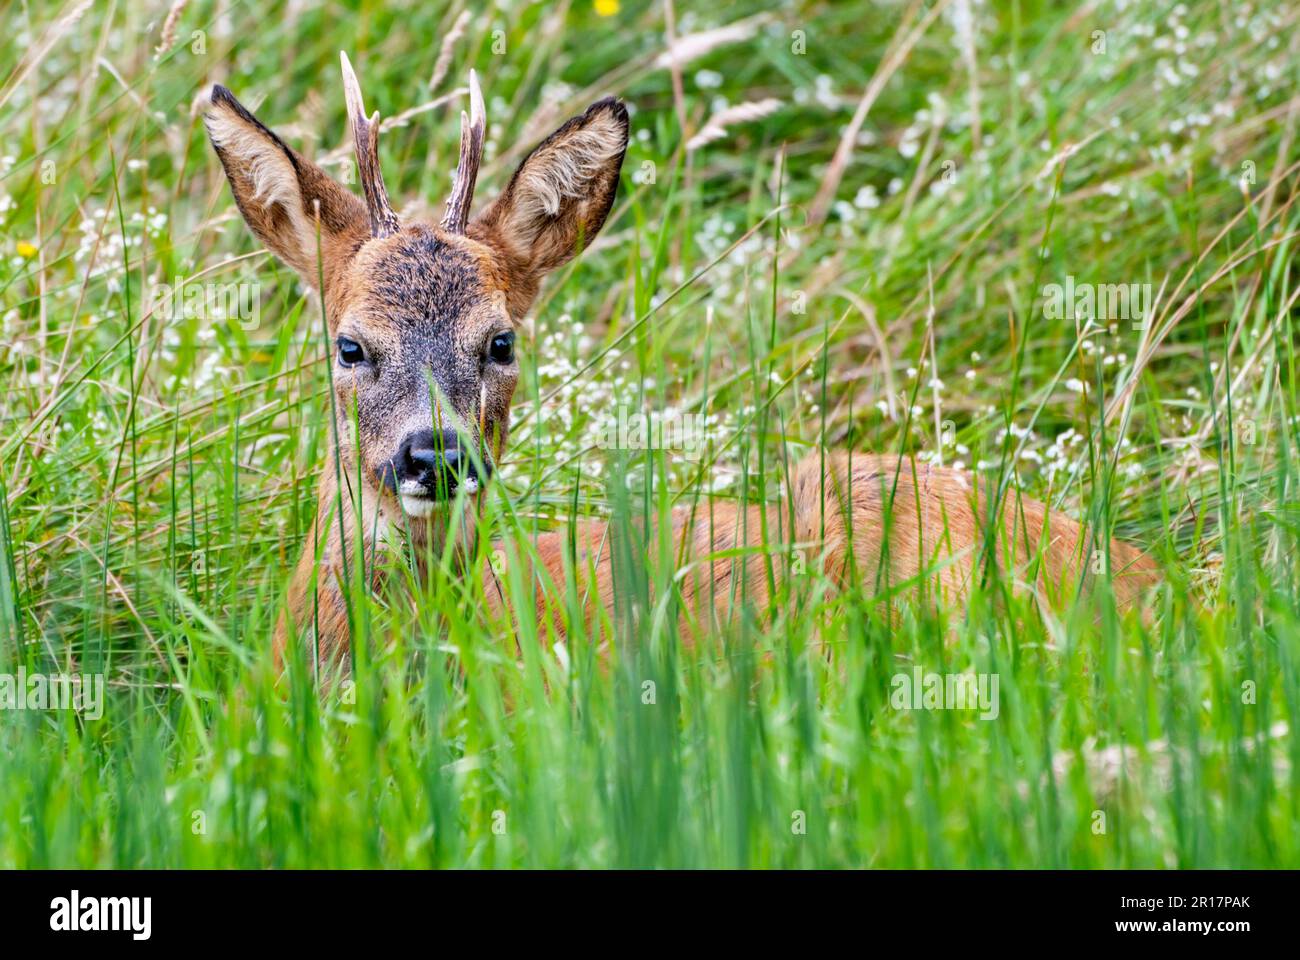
<point>470,485</point>
<point>418,506</point>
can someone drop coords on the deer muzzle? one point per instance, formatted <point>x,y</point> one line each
<point>430,467</point>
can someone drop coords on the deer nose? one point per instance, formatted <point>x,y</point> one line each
<point>435,461</point>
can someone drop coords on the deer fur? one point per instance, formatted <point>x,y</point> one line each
<point>430,306</point>
<point>913,530</point>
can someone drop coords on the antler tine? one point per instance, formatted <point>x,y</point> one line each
<point>365,140</point>
<point>472,128</point>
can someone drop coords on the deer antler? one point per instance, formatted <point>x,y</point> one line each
<point>365,139</point>
<point>471,154</point>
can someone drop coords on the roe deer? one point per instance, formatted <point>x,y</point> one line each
<point>423,317</point>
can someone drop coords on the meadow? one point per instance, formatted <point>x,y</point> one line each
<point>1051,244</point>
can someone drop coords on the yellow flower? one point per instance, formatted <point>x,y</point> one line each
<point>26,250</point>
<point>606,8</point>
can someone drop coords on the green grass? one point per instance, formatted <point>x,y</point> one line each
<point>158,475</point>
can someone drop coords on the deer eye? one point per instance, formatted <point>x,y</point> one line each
<point>502,348</point>
<point>350,352</point>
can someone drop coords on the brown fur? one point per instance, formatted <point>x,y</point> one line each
<point>425,301</point>
<point>932,553</point>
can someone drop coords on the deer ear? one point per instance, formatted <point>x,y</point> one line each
<point>277,190</point>
<point>558,199</point>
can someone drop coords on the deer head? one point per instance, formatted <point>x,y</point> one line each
<point>422,315</point>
